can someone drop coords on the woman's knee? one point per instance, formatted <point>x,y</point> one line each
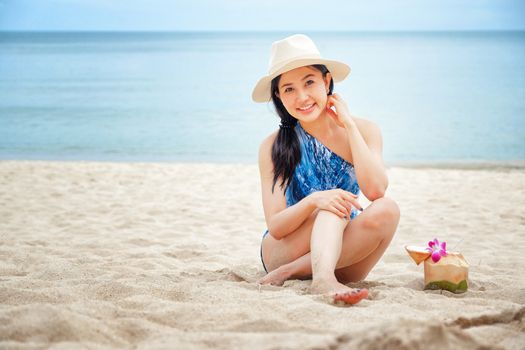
<point>391,210</point>
<point>384,212</point>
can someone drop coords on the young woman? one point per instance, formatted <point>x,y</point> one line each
<point>323,156</point>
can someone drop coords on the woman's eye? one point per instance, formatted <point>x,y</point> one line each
<point>288,89</point>
<point>309,82</point>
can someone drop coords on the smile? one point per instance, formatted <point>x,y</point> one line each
<point>307,108</point>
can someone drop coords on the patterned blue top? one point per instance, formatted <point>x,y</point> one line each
<point>320,169</point>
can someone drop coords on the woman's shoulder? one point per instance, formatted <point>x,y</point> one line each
<point>268,141</point>
<point>364,123</point>
<point>367,128</point>
<point>265,148</point>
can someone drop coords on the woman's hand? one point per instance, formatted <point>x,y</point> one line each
<point>341,115</point>
<point>337,201</point>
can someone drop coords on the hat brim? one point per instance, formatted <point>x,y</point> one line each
<point>262,93</point>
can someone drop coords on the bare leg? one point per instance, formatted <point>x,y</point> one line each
<point>326,241</point>
<point>300,268</point>
<point>325,244</point>
<point>365,239</point>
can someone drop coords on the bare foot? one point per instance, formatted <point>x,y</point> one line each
<point>338,292</point>
<point>276,277</point>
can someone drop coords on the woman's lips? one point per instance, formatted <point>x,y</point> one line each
<point>306,111</point>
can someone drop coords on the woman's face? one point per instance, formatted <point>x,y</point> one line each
<point>303,92</point>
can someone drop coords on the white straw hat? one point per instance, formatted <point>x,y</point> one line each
<point>293,52</point>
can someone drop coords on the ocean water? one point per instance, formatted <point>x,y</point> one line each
<point>437,96</point>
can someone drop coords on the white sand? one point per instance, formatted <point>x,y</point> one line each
<point>103,255</point>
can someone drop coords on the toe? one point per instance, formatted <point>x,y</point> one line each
<point>352,297</point>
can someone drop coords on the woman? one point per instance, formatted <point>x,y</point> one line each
<point>323,156</point>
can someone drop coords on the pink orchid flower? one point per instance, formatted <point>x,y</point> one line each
<point>437,250</point>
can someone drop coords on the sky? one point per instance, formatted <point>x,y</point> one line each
<point>261,15</point>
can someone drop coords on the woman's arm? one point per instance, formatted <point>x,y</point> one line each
<point>366,144</point>
<point>281,220</point>
<point>288,220</point>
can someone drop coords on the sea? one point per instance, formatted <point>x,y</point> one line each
<point>438,97</point>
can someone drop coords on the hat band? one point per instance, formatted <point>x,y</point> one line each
<point>279,65</point>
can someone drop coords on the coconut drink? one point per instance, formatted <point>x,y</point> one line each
<point>443,270</point>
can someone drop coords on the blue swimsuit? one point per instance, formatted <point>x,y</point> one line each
<point>320,169</point>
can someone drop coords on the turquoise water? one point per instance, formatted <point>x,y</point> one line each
<point>438,97</point>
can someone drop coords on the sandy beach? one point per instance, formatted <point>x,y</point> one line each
<point>159,255</point>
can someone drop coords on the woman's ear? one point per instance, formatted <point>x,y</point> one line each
<point>327,79</point>
<point>277,94</point>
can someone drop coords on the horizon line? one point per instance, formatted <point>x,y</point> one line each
<point>260,31</point>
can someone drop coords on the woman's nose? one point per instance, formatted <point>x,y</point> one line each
<point>302,95</point>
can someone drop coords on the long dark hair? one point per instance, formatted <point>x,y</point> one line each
<point>286,151</point>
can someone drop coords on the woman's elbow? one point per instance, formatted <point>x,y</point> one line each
<point>274,233</point>
<point>278,238</point>
<point>376,193</point>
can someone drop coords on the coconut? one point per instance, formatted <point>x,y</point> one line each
<point>449,273</point>
<point>418,254</point>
